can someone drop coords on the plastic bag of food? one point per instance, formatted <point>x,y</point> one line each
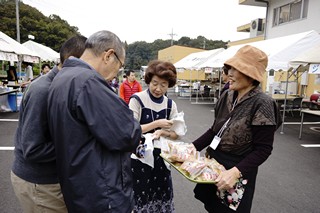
<point>181,152</point>
<point>193,167</point>
<point>214,165</point>
<point>208,174</point>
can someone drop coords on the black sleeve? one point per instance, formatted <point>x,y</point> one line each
<point>263,137</point>
<point>204,140</point>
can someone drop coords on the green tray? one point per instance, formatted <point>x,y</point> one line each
<point>184,174</point>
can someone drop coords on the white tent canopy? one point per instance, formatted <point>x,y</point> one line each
<point>279,50</point>
<point>15,47</point>
<point>46,53</point>
<point>192,60</point>
<point>6,53</point>
<point>311,56</point>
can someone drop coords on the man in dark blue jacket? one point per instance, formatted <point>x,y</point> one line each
<point>34,173</point>
<point>94,131</point>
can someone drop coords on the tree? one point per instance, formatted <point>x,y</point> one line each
<point>138,54</point>
<point>50,31</point>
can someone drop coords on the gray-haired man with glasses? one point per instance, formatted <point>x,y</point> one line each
<point>94,131</point>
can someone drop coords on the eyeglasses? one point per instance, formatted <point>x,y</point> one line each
<point>122,65</point>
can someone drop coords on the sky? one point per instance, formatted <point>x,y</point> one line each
<point>148,20</point>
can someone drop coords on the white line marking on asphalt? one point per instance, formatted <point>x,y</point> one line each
<point>9,119</point>
<point>6,148</point>
<point>311,145</point>
<point>304,123</point>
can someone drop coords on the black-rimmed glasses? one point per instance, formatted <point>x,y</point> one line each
<point>122,65</point>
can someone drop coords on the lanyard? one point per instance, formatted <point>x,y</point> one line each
<point>219,134</point>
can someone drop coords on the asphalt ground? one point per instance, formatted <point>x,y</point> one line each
<point>288,182</point>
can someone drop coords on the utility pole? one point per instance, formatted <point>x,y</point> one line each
<point>18,21</point>
<point>171,35</point>
<point>18,36</point>
<point>204,43</point>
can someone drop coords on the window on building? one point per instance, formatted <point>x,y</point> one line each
<point>284,14</point>
<point>305,8</point>
<point>293,11</point>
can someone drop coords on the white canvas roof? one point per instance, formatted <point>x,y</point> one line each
<point>192,60</point>
<point>6,53</point>
<point>310,56</point>
<point>279,50</point>
<point>15,47</point>
<point>46,53</point>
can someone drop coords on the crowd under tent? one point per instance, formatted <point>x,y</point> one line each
<point>45,53</point>
<point>188,69</point>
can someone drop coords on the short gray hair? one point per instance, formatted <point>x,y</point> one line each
<point>104,40</point>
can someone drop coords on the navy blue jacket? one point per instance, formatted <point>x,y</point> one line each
<point>35,159</point>
<point>94,133</point>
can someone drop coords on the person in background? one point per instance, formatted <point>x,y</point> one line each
<point>196,86</point>
<point>34,173</point>
<point>124,78</point>
<point>115,85</point>
<point>129,87</point>
<point>93,130</point>
<point>12,74</point>
<point>225,78</point>
<point>152,187</point>
<point>29,72</point>
<point>241,137</point>
<point>45,68</point>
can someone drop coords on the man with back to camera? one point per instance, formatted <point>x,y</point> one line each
<point>34,174</point>
<point>129,87</point>
<point>93,130</point>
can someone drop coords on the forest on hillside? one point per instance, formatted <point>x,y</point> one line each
<point>52,31</point>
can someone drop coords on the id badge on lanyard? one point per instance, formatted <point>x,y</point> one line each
<point>216,140</point>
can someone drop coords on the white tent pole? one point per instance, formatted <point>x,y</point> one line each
<point>190,87</point>
<point>285,102</point>
<point>197,87</point>
<point>284,105</point>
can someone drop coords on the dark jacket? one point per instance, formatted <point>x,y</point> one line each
<point>34,151</point>
<point>94,133</point>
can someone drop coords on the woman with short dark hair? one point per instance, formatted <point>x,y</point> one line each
<point>152,186</point>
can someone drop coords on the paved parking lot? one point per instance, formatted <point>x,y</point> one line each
<point>287,182</point>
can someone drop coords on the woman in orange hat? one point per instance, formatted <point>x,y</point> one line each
<point>241,137</point>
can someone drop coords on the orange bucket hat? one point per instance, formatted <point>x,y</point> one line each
<point>250,61</point>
